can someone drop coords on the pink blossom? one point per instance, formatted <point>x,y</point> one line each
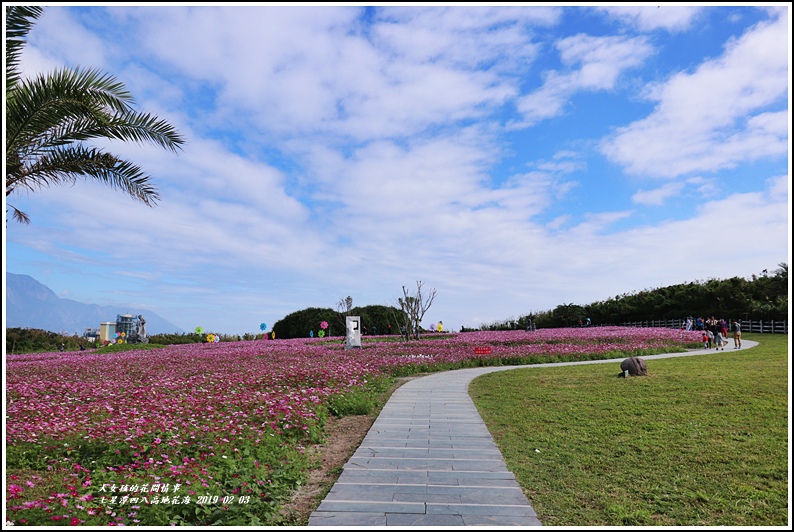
<point>254,391</point>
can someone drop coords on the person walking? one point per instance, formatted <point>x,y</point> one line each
<point>714,328</point>
<point>718,340</point>
<point>737,334</point>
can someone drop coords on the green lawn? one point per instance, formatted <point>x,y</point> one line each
<point>700,441</point>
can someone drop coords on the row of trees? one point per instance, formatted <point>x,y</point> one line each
<point>37,340</point>
<point>378,319</point>
<point>27,340</point>
<point>404,319</point>
<point>762,297</point>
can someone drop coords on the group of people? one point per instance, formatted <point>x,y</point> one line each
<point>715,333</point>
<point>63,348</point>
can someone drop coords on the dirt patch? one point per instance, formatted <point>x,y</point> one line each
<point>342,437</point>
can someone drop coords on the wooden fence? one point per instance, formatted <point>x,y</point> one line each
<point>756,326</point>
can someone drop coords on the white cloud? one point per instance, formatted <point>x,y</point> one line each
<point>66,41</point>
<point>715,117</point>
<point>303,70</point>
<point>648,18</point>
<point>600,61</point>
<point>657,196</point>
<point>463,36</point>
<point>779,188</point>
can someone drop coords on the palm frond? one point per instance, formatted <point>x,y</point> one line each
<point>41,103</point>
<point>19,20</point>
<point>73,105</point>
<point>68,164</point>
<point>144,128</point>
<point>51,117</point>
<point>18,215</point>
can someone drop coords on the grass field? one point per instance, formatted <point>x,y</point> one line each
<point>700,441</point>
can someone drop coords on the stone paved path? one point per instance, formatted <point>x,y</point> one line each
<point>429,460</point>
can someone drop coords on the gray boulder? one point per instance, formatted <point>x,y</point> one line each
<point>634,366</point>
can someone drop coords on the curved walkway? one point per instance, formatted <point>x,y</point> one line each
<point>429,460</point>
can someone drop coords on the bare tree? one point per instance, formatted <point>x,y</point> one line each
<point>345,308</point>
<point>413,307</point>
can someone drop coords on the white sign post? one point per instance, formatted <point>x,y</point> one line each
<point>353,338</point>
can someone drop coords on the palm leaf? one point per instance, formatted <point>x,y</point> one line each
<point>68,164</point>
<point>50,119</point>
<point>19,20</point>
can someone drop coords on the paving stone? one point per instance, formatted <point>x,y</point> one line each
<point>429,460</point>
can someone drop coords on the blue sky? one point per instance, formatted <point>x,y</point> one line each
<point>512,158</point>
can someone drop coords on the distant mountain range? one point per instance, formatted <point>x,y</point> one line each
<point>31,304</point>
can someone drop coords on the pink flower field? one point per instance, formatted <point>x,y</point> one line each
<point>215,433</point>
